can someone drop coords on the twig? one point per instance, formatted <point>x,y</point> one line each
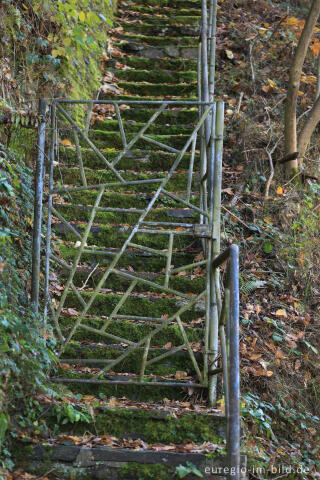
<point>47,473</point>
<point>266,194</point>
<point>235,216</point>
<point>89,276</point>
<point>239,103</point>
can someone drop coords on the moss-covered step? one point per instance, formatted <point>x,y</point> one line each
<point>96,354</point>
<point>150,51</point>
<point>83,213</point>
<point>106,236</point>
<point>115,282</point>
<point>155,426</point>
<point>160,12</point>
<point>156,76</point>
<point>141,63</point>
<point>128,389</point>
<point>161,30</point>
<point>137,160</point>
<point>177,116</point>
<point>131,330</point>
<point>139,304</point>
<point>140,261</point>
<point>177,182</point>
<point>103,139</point>
<point>132,126</point>
<point>100,462</point>
<point>130,200</point>
<point>164,20</point>
<point>155,40</point>
<point>179,4</point>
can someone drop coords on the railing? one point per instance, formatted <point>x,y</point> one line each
<point>228,311</point>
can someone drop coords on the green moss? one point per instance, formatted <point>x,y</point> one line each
<point>137,160</point>
<point>135,392</point>
<point>145,472</point>
<point>83,213</point>
<point>112,125</point>
<point>130,330</point>
<point>130,258</point>
<point>158,41</point>
<point>116,283</point>
<point>153,307</point>
<point>145,89</point>
<point>154,10</point>
<point>141,63</point>
<point>172,20</point>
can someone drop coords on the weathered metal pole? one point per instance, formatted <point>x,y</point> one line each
<point>233,440</point>
<point>48,234</point>
<point>37,220</point>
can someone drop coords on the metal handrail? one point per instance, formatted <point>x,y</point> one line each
<point>229,341</point>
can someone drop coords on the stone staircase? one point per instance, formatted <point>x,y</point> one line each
<point>163,424</point>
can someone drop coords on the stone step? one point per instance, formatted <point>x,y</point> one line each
<point>97,356</point>
<point>141,63</point>
<point>100,463</point>
<point>102,139</point>
<point>161,30</point>
<point>158,76</point>
<point>134,258</point>
<point>162,12</point>
<point>132,329</point>
<point>155,52</point>
<point>194,282</point>
<point>155,40</point>
<point>106,236</point>
<point>83,212</point>
<point>138,304</point>
<point>151,19</point>
<point>154,424</point>
<point>177,182</point>
<point>178,4</point>
<point>137,160</point>
<point>132,126</point>
<point>130,199</point>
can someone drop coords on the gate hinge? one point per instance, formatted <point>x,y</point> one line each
<point>203,231</point>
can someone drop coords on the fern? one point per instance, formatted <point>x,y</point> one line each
<point>251,286</point>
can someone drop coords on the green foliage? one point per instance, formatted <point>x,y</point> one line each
<point>64,40</point>
<point>25,355</point>
<point>184,470</point>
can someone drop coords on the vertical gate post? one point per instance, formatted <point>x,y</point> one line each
<point>234,377</point>
<point>37,219</point>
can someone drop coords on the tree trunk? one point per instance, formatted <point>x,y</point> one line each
<point>290,129</point>
<point>308,128</point>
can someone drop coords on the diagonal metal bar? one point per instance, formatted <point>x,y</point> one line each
<point>92,145</point>
<point>106,334</point>
<point>159,144</point>
<point>144,358</point>
<point>185,202</point>
<point>191,354</point>
<point>152,284</point>
<point>119,305</point>
<point>169,258</point>
<point>79,156</point>
<point>78,295</point>
<point>170,352</point>
<point>78,256</point>
<point>122,132</point>
<point>66,223</point>
<point>153,332</point>
<point>189,266</point>
<point>148,249</point>
<point>190,172</point>
<point>139,134</point>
